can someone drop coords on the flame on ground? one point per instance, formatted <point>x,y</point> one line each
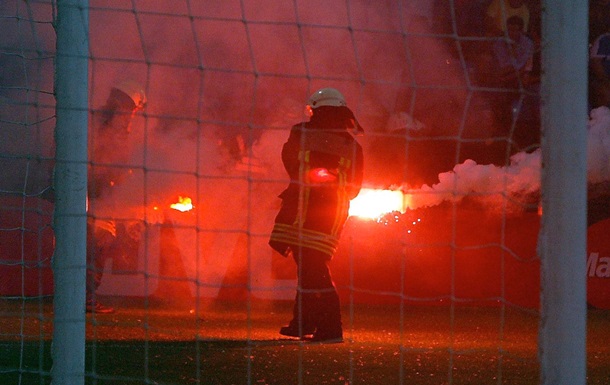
<point>184,204</point>
<point>374,203</point>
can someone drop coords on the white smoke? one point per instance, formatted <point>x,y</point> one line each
<point>520,178</point>
<point>487,182</point>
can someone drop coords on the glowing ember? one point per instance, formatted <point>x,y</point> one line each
<point>372,203</point>
<point>184,204</point>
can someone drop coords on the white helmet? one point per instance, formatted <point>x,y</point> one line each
<point>326,97</point>
<point>135,92</point>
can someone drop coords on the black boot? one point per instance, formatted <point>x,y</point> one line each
<point>301,324</point>
<point>294,330</point>
<point>328,318</point>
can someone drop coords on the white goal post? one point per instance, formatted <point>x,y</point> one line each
<point>562,240</point>
<point>563,234</point>
<point>70,183</point>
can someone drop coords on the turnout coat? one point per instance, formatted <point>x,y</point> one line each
<point>325,165</point>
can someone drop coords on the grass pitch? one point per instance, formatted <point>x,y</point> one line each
<point>237,343</point>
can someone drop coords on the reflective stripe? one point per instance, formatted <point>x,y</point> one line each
<point>306,238</point>
<point>305,190</point>
<point>342,199</point>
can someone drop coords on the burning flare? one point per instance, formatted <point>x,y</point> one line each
<point>322,175</point>
<point>373,203</point>
<point>184,204</point>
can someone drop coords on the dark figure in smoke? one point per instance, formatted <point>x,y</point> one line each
<point>325,165</point>
<point>108,154</point>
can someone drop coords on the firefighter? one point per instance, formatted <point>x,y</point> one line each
<point>107,157</point>
<point>109,153</point>
<point>325,164</point>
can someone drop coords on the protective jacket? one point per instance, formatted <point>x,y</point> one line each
<point>325,165</point>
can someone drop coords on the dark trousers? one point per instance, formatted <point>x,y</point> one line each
<point>317,303</point>
<point>99,241</point>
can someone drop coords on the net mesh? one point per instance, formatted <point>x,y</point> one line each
<point>438,285</point>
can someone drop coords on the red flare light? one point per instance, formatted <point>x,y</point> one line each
<point>373,203</point>
<point>184,204</point>
<point>321,175</point>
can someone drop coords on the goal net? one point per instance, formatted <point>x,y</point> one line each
<point>462,259</point>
